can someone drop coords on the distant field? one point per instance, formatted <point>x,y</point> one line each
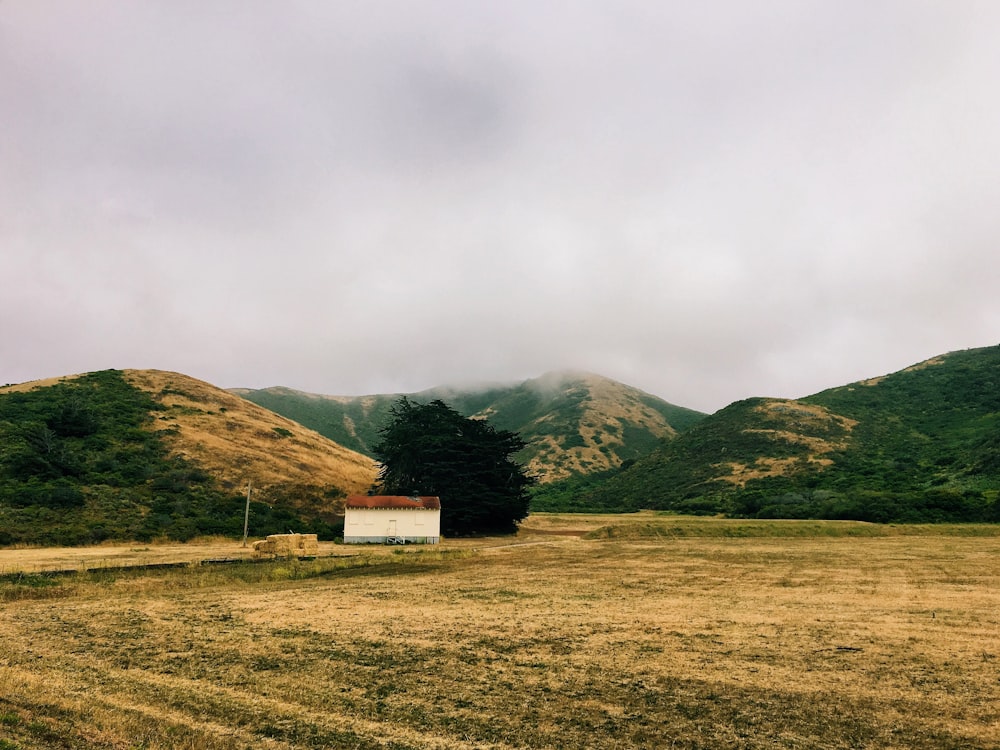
<point>585,632</point>
<point>43,559</point>
<point>25,559</point>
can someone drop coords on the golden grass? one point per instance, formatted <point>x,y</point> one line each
<point>118,555</point>
<point>811,415</point>
<point>33,384</point>
<point>939,360</point>
<point>813,443</point>
<point>740,473</point>
<point>553,642</point>
<point>236,440</point>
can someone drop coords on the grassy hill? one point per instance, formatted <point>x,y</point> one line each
<point>922,444</point>
<point>575,424</point>
<point>142,454</point>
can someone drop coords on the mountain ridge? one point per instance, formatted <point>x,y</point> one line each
<point>920,444</point>
<point>145,454</point>
<point>574,422</point>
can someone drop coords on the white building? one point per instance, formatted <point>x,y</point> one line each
<point>392,519</point>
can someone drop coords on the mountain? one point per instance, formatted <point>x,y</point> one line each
<point>922,444</point>
<point>140,454</point>
<point>144,454</point>
<point>574,423</point>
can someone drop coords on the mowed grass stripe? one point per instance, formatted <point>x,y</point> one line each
<point>202,714</point>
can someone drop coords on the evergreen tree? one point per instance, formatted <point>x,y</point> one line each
<point>430,449</point>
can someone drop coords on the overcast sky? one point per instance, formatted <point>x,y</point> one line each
<point>706,200</point>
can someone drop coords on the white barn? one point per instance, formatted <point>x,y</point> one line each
<point>392,519</point>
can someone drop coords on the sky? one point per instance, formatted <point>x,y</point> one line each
<point>708,201</point>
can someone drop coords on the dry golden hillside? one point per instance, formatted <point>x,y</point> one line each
<point>608,412</point>
<point>237,441</point>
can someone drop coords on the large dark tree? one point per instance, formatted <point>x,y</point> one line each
<point>430,449</point>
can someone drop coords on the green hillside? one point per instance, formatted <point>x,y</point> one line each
<point>95,457</point>
<point>922,444</point>
<point>575,424</point>
<point>350,421</point>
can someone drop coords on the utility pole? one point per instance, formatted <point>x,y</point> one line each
<point>246,513</point>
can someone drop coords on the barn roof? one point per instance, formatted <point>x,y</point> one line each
<point>393,501</point>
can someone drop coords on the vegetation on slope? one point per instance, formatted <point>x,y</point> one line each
<point>573,424</point>
<point>576,424</point>
<point>350,422</point>
<point>95,457</point>
<point>920,445</point>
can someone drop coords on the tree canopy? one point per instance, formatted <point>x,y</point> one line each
<point>430,449</point>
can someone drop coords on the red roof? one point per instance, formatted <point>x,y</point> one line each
<point>393,501</point>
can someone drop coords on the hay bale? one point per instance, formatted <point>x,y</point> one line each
<point>287,545</point>
<point>309,545</point>
<point>263,547</point>
<point>290,545</point>
<point>282,544</point>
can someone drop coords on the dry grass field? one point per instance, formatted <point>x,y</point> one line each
<point>657,633</point>
<point>111,555</point>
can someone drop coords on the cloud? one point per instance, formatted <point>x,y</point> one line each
<point>707,202</point>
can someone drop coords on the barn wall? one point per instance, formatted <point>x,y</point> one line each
<point>377,525</point>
